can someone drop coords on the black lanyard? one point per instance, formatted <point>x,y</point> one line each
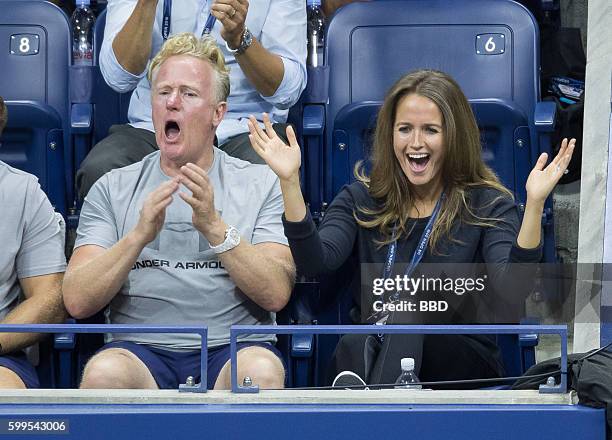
<point>421,248</point>
<point>167,18</point>
<point>419,252</point>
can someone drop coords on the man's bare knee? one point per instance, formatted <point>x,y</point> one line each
<point>116,368</point>
<point>10,380</point>
<point>260,364</point>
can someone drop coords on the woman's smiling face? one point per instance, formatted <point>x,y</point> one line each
<point>418,141</point>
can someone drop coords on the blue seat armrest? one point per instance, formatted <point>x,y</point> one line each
<point>528,340</point>
<point>313,127</point>
<point>527,343</point>
<point>313,120</point>
<point>81,126</point>
<point>65,341</point>
<point>81,118</point>
<point>302,346</point>
<point>545,116</point>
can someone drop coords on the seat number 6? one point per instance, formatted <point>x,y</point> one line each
<point>490,44</point>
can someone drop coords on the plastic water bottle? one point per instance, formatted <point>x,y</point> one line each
<point>407,379</point>
<point>82,21</point>
<point>316,31</point>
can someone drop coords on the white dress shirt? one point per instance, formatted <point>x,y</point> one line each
<point>280,27</point>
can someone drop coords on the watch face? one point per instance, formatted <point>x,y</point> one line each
<point>233,235</point>
<point>248,38</point>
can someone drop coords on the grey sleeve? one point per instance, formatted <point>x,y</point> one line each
<point>42,247</point>
<point>269,225</point>
<point>97,223</point>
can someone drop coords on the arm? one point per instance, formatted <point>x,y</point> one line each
<point>39,264</point>
<point>96,274</point>
<point>264,272</point>
<point>275,66</point>
<point>314,251</point>
<point>511,252</point>
<point>132,45</point>
<point>540,183</point>
<point>126,47</point>
<point>42,305</point>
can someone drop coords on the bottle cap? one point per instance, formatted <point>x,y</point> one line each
<point>407,363</point>
<point>82,2</point>
<point>313,3</point>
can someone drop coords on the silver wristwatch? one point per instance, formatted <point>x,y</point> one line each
<point>245,42</point>
<point>232,239</point>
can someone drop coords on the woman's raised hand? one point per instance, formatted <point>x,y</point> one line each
<point>542,180</point>
<point>285,160</point>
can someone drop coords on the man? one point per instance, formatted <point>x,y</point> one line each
<point>264,45</point>
<point>32,265</point>
<point>189,236</point>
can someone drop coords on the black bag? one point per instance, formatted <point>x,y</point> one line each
<point>563,56</point>
<point>589,374</point>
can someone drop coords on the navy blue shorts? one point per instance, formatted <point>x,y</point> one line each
<point>171,368</point>
<point>19,364</point>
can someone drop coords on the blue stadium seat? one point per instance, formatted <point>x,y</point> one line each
<point>35,46</point>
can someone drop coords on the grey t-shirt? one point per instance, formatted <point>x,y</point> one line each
<point>32,235</point>
<point>177,279</point>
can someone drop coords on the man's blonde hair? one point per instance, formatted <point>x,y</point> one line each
<point>205,49</point>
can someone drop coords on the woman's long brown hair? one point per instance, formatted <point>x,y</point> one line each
<point>462,169</point>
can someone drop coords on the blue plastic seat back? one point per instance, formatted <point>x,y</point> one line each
<point>35,58</point>
<point>488,47</point>
<point>110,107</point>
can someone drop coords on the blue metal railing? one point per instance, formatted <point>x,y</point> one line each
<point>117,328</point>
<point>238,330</point>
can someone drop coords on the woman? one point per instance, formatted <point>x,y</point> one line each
<point>429,199</point>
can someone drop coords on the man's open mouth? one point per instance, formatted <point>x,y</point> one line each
<point>172,130</point>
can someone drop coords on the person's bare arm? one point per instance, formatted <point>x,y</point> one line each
<point>42,305</point>
<point>264,69</point>
<point>132,45</point>
<point>264,272</point>
<point>540,183</point>
<point>284,160</point>
<point>95,275</point>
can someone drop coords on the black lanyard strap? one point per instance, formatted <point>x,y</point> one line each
<point>420,249</point>
<point>167,19</point>
<point>382,316</point>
